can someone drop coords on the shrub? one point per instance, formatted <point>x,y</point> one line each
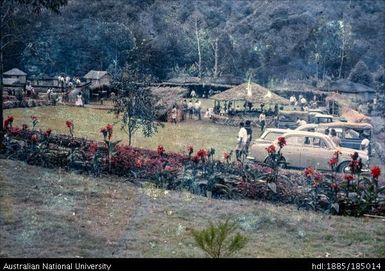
<point>220,240</point>
<point>361,74</point>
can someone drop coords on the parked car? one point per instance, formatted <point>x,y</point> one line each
<point>350,133</point>
<point>307,149</point>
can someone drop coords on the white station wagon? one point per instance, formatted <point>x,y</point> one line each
<point>307,149</point>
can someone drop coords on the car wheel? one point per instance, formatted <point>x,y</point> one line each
<point>344,167</point>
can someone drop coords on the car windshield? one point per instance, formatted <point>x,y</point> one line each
<point>271,135</point>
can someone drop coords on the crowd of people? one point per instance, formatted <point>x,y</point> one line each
<point>303,103</point>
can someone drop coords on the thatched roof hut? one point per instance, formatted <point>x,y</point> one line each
<point>250,92</point>
<point>346,106</point>
<point>168,96</point>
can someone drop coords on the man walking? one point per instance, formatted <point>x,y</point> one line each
<point>262,121</point>
<point>242,140</point>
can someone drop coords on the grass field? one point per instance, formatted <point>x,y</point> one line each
<point>50,213</point>
<point>88,122</point>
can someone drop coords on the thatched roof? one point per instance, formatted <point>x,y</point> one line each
<point>346,105</point>
<point>253,93</point>
<point>346,86</point>
<point>168,96</point>
<point>95,75</point>
<point>15,72</point>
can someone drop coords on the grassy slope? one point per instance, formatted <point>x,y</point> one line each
<point>88,122</point>
<point>48,213</point>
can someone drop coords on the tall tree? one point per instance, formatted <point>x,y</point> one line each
<point>135,103</point>
<point>9,29</point>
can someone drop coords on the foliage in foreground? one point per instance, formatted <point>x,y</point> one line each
<point>220,240</point>
<point>350,194</point>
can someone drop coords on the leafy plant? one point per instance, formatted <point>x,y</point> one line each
<point>220,240</point>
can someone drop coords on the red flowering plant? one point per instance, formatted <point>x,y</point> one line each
<point>8,122</point>
<point>375,172</point>
<point>70,126</point>
<point>35,121</point>
<point>111,146</point>
<point>227,156</point>
<point>34,139</point>
<point>160,150</point>
<point>275,160</point>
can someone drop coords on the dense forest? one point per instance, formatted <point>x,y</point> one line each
<point>268,40</point>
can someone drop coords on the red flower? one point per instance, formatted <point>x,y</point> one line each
<point>169,168</point>
<point>48,132</point>
<point>34,118</point>
<point>355,166</point>
<point>93,147</point>
<point>337,153</point>
<point>348,177</point>
<point>281,141</point>
<point>375,171</point>
<point>14,131</point>
<point>202,153</point>
<point>317,177</point>
<point>309,172</point>
<point>196,159</point>
<point>139,163</point>
<point>8,121</point>
<point>34,138</point>
<point>332,162</point>
<point>69,124</point>
<point>160,150</point>
<point>271,149</point>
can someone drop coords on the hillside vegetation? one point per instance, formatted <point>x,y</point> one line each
<point>269,40</point>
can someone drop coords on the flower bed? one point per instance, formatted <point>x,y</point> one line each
<point>347,194</point>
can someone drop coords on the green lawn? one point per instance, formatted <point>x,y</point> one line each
<point>88,122</point>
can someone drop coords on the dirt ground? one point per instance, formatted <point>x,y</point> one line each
<point>51,213</point>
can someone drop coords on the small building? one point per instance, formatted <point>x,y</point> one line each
<point>15,76</point>
<point>98,79</point>
<point>355,91</point>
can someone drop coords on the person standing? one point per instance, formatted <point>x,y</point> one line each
<point>79,101</point>
<point>335,138</point>
<point>197,108</point>
<point>190,108</point>
<point>249,131</point>
<point>184,108</point>
<point>173,114</point>
<point>242,140</point>
<point>262,121</point>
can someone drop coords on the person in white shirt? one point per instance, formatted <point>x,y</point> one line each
<point>262,121</point>
<point>365,143</point>
<point>174,114</point>
<point>300,122</point>
<point>242,140</point>
<point>292,100</point>
<point>190,109</point>
<point>197,108</point>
